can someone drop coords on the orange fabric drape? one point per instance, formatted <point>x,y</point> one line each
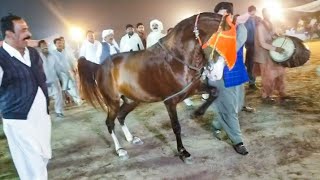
<point>225,43</point>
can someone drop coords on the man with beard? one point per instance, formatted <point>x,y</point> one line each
<point>141,33</point>
<point>131,41</point>
<point>156,27</point>
<point>52,68</point>
<point>108,46</point>
<point>24,101</point>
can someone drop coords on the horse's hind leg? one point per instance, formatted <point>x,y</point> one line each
<point>172,110</point>
<point>113,110</point>
<point>125,109</point>
<point>212,96</point>
<point>109,92</point>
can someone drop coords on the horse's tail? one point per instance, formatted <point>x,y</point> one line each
<point>88,85</point>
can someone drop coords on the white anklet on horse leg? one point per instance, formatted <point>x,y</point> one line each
<point>127,133</point>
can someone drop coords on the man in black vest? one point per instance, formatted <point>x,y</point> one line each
<point>24,101</point>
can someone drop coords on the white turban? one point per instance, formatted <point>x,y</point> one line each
<point>106,33</point>
<point>156,21</point>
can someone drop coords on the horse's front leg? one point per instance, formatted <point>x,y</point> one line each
<point>213,94</point>
<point>172,110</point>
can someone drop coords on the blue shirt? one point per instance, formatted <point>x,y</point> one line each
<point>250,24</point>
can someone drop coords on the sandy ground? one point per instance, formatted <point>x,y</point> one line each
<point>283,140</point>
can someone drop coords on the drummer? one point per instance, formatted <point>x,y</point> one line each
<point>272,74</point>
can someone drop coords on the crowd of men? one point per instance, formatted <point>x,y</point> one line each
<point>135,39</point>
<point>312,29</point>
<point>27,79</point>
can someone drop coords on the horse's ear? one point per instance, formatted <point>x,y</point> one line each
<point>224,24</point>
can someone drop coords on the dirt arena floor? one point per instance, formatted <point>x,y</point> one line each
<point>283,140</point>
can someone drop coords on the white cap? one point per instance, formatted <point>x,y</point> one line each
<point>156,21</point>
<point>107,32</point>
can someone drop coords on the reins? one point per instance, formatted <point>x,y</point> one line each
<point>178,59</point>
<point>198,70</point>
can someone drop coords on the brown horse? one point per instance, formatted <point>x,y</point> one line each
<point>168,71</point>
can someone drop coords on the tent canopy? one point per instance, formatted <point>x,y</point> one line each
<point>310,7</point>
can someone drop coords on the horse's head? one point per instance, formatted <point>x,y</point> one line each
<point>186,38</point>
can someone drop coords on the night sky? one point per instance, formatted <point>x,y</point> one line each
<point>48,17</point>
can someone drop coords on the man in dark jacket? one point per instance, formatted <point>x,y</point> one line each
<point>251,24</point>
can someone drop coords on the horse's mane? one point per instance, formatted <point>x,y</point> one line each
<point>191,21</point>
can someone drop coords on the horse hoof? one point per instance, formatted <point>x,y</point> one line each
<point>185,156</point>
<point>137,141</point>
<point>123,154</point>
<point>187,160</point>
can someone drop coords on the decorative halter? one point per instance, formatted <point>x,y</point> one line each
<point>198,70</point>
<point>196,30</point>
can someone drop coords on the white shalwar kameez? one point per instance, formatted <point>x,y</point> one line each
<point>153,38</point>
<point>90,51</point>
<point>52,68</point>
<point>131,43</point>
<point>68,81</point>
<point>29,140</point>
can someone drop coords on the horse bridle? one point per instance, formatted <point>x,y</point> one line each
<point>199,70</point>
<point>196,30</point>
<point>197,35</point>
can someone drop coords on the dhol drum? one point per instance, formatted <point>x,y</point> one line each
<point>296,53</point>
